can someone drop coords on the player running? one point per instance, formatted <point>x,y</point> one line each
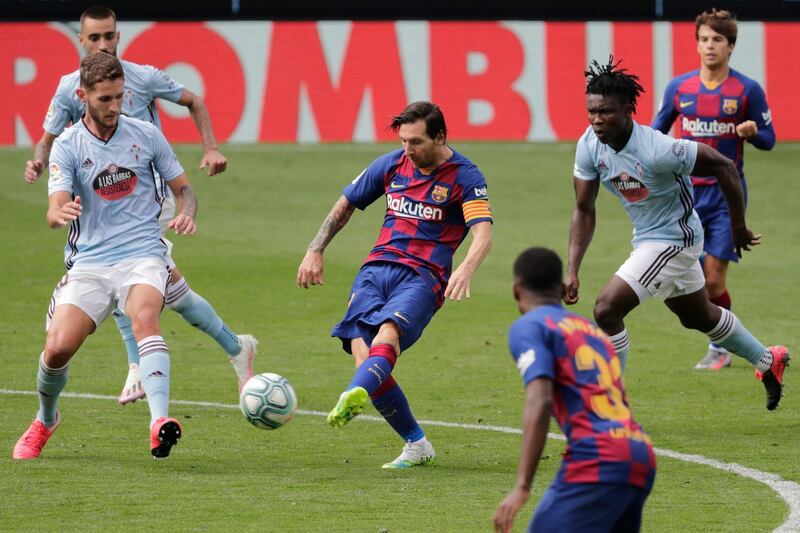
<point>649,173</point>
<point>434,197</point>
<point>143,84</point>
<point>570,370</point>
<point>114,256</point>
<point>723,108</point>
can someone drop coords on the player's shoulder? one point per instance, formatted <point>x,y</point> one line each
<point>136,69</point>
<point>467,170</point>
<point>68,84</point>
<point>388,160</point>
<point>135,127</point>
<point>588,141</point>
<point>747,82</point>
<point>688,81</point>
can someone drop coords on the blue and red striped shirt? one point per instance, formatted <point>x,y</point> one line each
<point>710,115</point>
<point>427,216</point>
<point>604,443</point>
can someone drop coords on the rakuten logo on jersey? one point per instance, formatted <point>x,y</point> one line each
<point>403,207</point>
<point>703,128</point>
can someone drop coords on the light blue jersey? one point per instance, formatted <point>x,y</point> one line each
<point>119,193</point>
<point>143,84</point>
<point>650,176</point>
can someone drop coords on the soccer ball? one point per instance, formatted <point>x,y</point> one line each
<point>268,401</point>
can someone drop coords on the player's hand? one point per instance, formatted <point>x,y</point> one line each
<point>215,162</point>
<point>747,129</point>
<point>744,238</point>
<point>310,270</point>
<point>571,286</point>
<point>68,212</point>
<point>183,224</point>
<point>508,509</point>
<point>458,285</point>
<point>33,169</point>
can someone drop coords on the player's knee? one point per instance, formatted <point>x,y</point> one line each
<point>145,321</point>
<point>698,321</point>
<point>605,314</point>
<point>58,350</point>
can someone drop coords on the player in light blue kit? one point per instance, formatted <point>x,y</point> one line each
<point>649,173</point>
<point>107,193</point>
<point>143,84</point>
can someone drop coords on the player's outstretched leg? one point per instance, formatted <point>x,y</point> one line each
<point>132,390</point>
<point>773,378</point>
<point>351,403</point>
<point>198,312</point>
<point>50,382</point>
<point>717,357</point>
<point>392,404</point>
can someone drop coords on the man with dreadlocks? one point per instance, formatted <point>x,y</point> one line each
<point>649,173</point>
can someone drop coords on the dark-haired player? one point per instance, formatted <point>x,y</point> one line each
<point>723,108</point>
<point>143,85</point>
<point>434,197</point>
<point>570,371</point>
<point>649,173</point>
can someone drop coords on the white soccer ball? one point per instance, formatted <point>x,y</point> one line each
<point>268,401</point>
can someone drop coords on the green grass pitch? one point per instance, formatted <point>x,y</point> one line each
<point>254,223</point>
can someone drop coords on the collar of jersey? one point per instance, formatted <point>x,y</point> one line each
<point>98,139</point>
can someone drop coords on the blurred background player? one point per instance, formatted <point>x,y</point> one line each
<point>114,254</point>
<point>570,371</point>
<point>649,173</point>
<point>723,108</point>
<point>143,84</point>
<point>434,197</point>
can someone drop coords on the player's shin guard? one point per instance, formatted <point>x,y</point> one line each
<point>50,382</point>
<point>390,401</point>
<point>154,368</point>
<point>622,346</point>
<point>732,335</point>
<point>376,370</point>
<point>199,313</point>
<point>126,332</point>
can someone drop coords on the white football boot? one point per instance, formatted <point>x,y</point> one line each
<point>243,361</point>
<point>133,389</point>
<point>414,454</point>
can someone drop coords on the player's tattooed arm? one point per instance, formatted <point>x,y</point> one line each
<point>183,223</point>
<point>311,268</point>
<point>212,157</point>
<point>41,157</point>
<point>581,230</point>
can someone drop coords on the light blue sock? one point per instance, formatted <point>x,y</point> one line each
<point>126,331</point>
<point>154,370</point>
<point>199,313</point>
<point>50,382</point>
<point>732,335</point>
<point>622,346</point>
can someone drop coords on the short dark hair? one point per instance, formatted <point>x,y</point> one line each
<point>98,13</point>
<point>610,79</point>
<point>100,67</point>
<point>539,269</point>
<point>422,110</point>
<point>721,21</point>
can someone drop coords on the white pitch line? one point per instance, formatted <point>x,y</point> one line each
<point>789,491</point>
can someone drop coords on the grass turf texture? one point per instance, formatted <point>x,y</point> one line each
<point>254,224</point>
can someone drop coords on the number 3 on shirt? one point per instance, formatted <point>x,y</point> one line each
<point>607,404</point>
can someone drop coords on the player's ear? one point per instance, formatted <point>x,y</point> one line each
<point>81,94</point>
<point>517,290</point>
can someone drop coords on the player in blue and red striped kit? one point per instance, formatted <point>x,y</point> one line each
<point>723,108</point>
<point>570,370</point>
<point>434,197</point>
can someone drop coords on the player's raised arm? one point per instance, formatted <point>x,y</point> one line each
<point>458,285</point>
<point>183,223</point>
<point>311,268</point>
<point>712,163</point>
<point>212,158</point>
<point>581,231</point>
<point>535,423</point>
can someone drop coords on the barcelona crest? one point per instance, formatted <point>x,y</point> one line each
<point>730,105</point>
<point>439,193</point>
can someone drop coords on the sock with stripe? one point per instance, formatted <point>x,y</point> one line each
<point>390,401</point>
<point>199,313</point>
<point>154,370</point>
<point>732,335</point>
<point>376,370</point>
<point>621,345</point>
<point>50,382</point>
<point>126,332</point>
<point>723,301</point>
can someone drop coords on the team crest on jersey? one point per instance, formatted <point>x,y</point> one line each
<point>639,170</point>
<point>439,193</point>
<point>135,151</point>
<point>730,105</point>
<point>114,182</point>
<point>602,165</point>
<point>630,188</point>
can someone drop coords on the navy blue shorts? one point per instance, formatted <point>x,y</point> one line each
<point>383,292</point>
<point>589,508</point>
<point>713,211</point>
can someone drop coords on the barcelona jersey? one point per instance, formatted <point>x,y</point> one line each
<point>710,115</point>
<point>427,216</point>
<point>604,443</point>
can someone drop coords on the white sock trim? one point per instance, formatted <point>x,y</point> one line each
<point>51,371</point>
<point>620,341</point>
<point>151,344</point>
<point>724,328</point>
